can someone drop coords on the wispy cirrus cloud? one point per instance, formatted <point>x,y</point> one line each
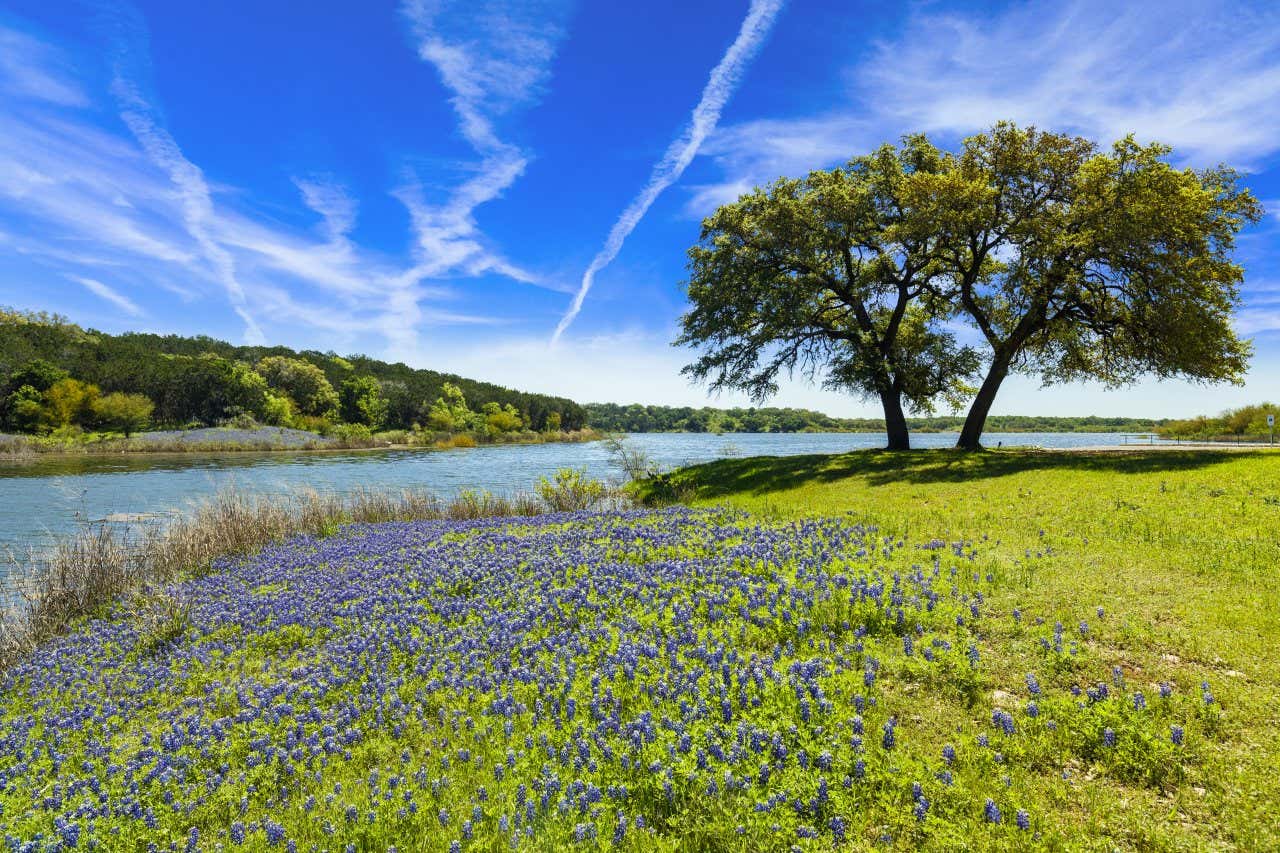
<point>87,197</point>
<point>110,294</point>
<point>130,49</point>
<point>720,86</point>
<point>494,58</point>
<point>1202,76</point>
<point>197,203</point>
<point>30,68</point>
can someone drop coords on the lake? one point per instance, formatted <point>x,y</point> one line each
<point>52,496</point>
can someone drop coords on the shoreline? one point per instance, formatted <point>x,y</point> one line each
<point>29,450</point>
<point>21,447</point>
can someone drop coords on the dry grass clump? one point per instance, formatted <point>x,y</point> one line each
<point>16,447</point>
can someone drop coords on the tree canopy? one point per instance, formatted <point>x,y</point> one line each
<point>828,274</point>
<point>207,381</point>
<point>1062,260</point>
<point>1073,263</point>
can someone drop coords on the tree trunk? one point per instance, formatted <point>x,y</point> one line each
<point>895,422</point>
<point>976,420</point>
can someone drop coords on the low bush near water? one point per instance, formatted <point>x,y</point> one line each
<point>682,679</point>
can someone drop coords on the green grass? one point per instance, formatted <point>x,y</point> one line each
<point>1181,548</point>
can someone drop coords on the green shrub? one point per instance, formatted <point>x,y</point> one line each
<point>351,432</point>
<point>126,413</point>
<point>571,491</point>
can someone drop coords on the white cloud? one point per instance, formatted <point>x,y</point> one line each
<point>83,198</point>
<point>73,175</point>
<point>1257,320</point>
<point>333,203</point>
<point>197,204</point>
<point>493,57</point>
<point>31,69</point>
<point>755,153</point>
<point>720,86</point>
<point>116,298</point>
<point>638,366</point>
<point>1201,76</point>
<point>630,365</point>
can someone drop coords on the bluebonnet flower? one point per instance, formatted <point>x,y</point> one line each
<point>620,829</point>
<point>991,812</point>
<point>604,619</point>
<point>1175,734</point>
<point>274,831</point>
<point>1108,737</point>
<point>1022,818</point>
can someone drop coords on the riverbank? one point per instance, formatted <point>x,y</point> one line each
<point>265,439</point>
<point>1010,650</point>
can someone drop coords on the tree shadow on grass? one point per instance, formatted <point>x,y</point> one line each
<point>764,474</point>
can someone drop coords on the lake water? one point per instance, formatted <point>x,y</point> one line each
<point>52,496</point>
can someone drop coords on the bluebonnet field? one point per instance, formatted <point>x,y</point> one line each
<point>636,681</point>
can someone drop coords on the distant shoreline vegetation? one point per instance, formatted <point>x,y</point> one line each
<point>66,388</point>
<point>611,417</point>
<point>233,439</point>
<point>1247,423</point>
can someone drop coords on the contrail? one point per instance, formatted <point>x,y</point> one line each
<point>720,86</point>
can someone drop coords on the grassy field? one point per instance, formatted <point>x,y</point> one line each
<point>1182,550</point>
<point>927,650</point>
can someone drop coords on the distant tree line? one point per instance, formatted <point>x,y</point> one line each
<point>611,417</point>
<point>56,375</point>
<point>1244,422</point>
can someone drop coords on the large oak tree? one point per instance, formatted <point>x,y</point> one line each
<point>828,275</point>
<point>1075,263</point>
<point>1070,263</point>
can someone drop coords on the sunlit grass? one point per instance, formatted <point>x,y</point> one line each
<point>1182,549</point>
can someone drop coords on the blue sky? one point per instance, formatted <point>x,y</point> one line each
<point>435,181</point>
